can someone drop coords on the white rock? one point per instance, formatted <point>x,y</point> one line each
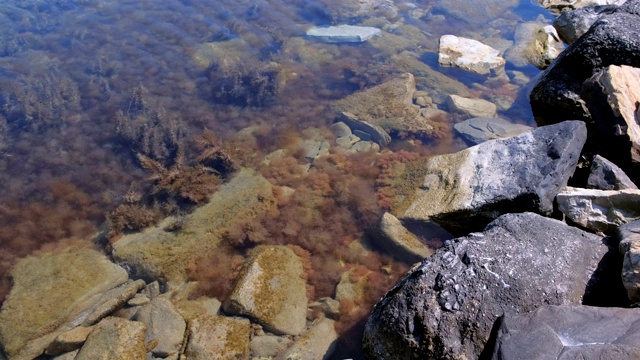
<point>343,33</point>
<point>468,54</point>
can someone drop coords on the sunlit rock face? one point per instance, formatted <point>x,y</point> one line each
<point>465,190</point>
<point>468,54</point>
<point>446,307</point>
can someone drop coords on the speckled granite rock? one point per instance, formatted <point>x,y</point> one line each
<point>218,338</point>
<point>271,289</point>
<point>164,325</point>
<point>115,339</point>
<point>317,343</point>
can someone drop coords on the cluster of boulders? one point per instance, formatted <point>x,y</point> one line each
<point>542,269</point>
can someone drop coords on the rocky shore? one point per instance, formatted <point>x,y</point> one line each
<point>545,261</point>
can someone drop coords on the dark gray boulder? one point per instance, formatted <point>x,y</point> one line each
<point>464,191</point>
<point>629,246</point>
<point>446,307</point>
<point>571,25</point>
<point>606,175</point>
<point>612,40</point>
<point>570,332</point>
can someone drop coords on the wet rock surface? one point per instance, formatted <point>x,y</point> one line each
<point>465,190</point>
<point>478,130</point>
<point>471,107</point>
<point>317,343</point>
<point>446,308</point>
<point>74,283</point>
<point>397,241</point>
<point>570,332</point>
<point>271,290</point>
<point>343,33</point>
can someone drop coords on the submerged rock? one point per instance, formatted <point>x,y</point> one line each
<point>218,338</point>
<point>164,325</point>
<point>446,308</point>
<point>271,290</point>
<point>474,12</point>
<point>471,107</point>
<point>468,54</point>
<point>52,294</point>
<point>570,332</point>
<point>562,5</point>
<point>397,241</point>
<point>478,130</point>
<point>464,191</point>
<point>599,210</point>
<point>535,44</point>
<point>343,33</point>
<point>384,109</point>
<point>114,339</point>
<point>160,254</point>
<point>317,343</point>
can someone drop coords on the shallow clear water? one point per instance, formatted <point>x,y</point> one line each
<point>69,71</point>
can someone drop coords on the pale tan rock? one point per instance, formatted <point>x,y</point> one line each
<point>52,294</point>
<point>599,210</point>
<point>165,327</point>
<point>113,300</point>
<point>468,54</point>
<point>472,107</point>
<point>67,356</point>
<point>69,341</point>
<point>115,339</point>
<point>397,241</point>
<point>271,290</point>
<point>191,309</point>
<point>219,337</point>
<point>268,346</point>
<point>160,254</point>
<point>317,343</point>
<point>139,300</point>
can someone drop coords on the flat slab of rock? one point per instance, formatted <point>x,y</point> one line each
<point>629,237</point>
<point>160,254</point>
<point>466,190</point>
<point>388,106</point>
<point>478,130</point>
<point>570,332</point>
<point>164,325</point>
<point>52,294</point>
<point>397,241</point>
<point>446,307</point>
<point>471,107</point>
<point>343,33</point>
<point>468,54</point>
<point>271,289</point>
<point>599,210</point>
<point>605,175</point>
<point>114,339</point>
<point>218,338</point>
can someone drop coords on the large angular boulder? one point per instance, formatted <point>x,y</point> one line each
<point>570,332</point>
<point>388,106</point>
<point>571,25</point>
<point>612,40</point>
<point>160,254</point>
<point>466,190</point>
<point>52,294</point>
<point>612,96</point>
<point>446,307</point>
<point>271,289</point>
<point>599,210</point>
<point>629,237</point>
<point>165,326</point>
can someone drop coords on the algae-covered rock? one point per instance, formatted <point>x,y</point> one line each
<point>218,338</point>
<point>399,242</point>
<point>115,339</point>
<point>317,343</point>
<point>51,294</point>
<point>165,255</point>
<point>271,289</point>
<point>388,106</point>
